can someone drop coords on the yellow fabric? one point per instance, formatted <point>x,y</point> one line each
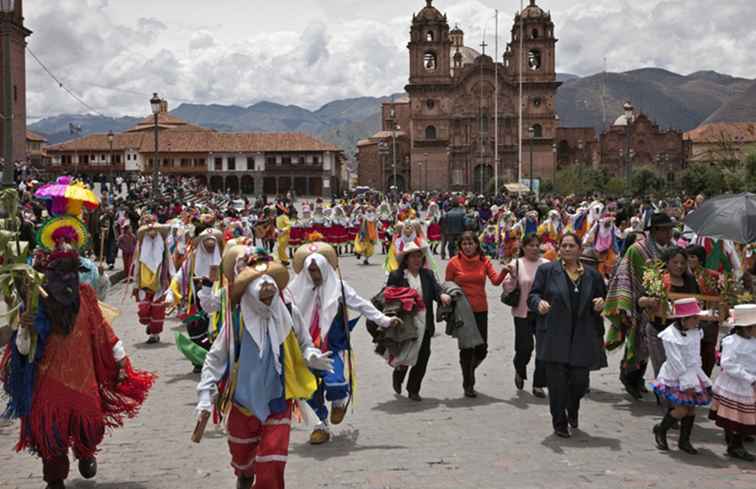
<point>299,381</point>
<point>284,231</point>
<point>147,279</point>
<point>391,262</point>
<point>176,290</point>
<point>364,248</point>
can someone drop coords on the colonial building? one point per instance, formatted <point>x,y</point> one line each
<point>36,149</point>
<point>719,142</point>
<point>449,115</point>
<point>246,163</point>
<point>12,25</point>
<point>577,146</point>
<point>637,141</point>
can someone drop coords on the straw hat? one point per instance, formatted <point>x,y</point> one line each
<point>163,229</point>
<point>209,233</point>
<point>231,255</point>
<point>743,315</point>
<point>411,248</point>
<point>273,269</point>
<point>317,247</point>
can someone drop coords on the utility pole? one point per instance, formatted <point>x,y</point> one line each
<point>6,29</point>
<point>496,106</point>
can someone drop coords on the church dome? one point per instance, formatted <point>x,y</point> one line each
<point>533,11</point>
<point>429,12</point>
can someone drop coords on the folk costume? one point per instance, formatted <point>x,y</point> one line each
<point>488,241</point>
<point>604,237</point>
<point>550,232</point>
<point>261,362</point>
<point>324,307</point>
<point>433,218</point>
<point>364,243</point>
<point>283,232</point>
<point>201,267</point>
<point>65,372</point>
<point>509,236</point>
<point>153,272</point>
<point>734,391</point>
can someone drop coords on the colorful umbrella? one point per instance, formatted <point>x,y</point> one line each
<point>67,196</point>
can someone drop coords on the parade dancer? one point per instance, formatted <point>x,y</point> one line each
<point>550,232</point>
<point>66,373</point>
<point>364,243</point>
<point>201,268</point>
<point>734,406</point>
<point>604,237</point>
<point>509,237</point>
<point>283,232</point>
<point>153,272</point>
<point>262,339</point>
<point>323,299</point>
<point>433,218</point>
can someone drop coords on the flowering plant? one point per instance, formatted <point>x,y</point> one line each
<point>732,291</point>
<point>654,284</point>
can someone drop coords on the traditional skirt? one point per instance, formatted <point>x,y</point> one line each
<point>352,232</point>
<point>337,234</point>
<point>434,232</point>
<point>734,415</point>
<point>297,236</point>
<point>701,396</point>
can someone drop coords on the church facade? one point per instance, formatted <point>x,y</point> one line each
<point>448,117</point>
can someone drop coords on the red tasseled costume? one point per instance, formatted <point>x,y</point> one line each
<point>77,396</point>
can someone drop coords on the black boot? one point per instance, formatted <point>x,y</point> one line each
<point>686,427</point>
<point>244,482</point>
<point>660,432</point>
<point>88,467</point>
<point>735,448</point>
<point>56,485</point>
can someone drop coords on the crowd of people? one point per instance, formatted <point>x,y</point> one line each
<point>267,313</point>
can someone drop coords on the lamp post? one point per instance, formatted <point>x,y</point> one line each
<point>155,103</point>
<point>531,134</point>
<point>554,153</point>
<point>111,178</point>
<point>6,9</point>
<point>425,185</point>
<point>629,118</point>
<point>394,127</point>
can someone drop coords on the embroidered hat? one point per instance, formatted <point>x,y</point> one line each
<point>743,315</point>
<point>685,308</point>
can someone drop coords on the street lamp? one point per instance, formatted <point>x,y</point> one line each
<point>6,8</point>
<point>425,185</point>
<point>112,168</point>
<point>531,134</point>
<point>155,103</point>
<point>629,118</point>
<point>554,152</point>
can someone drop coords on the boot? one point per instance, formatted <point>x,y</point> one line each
<point>244,482</point>
<point>735,448</point>
<point>660,432</point>
<point>88,467</point>
<point>56,485</point>
<point>686,427</point>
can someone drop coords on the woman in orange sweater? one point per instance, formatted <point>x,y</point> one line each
<point>469,270</point>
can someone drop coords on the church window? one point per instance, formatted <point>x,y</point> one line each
<point>534,34</point>
<point>430,104</point>
<point>430,61</point>
<point>537,131</point>
<point>429,36</point>
<point>534,59</point>
<point>15,93</point>
<point>430,132</point>
<point>537,101</point>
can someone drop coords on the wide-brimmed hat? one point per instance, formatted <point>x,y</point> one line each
<point>660,220</point>
<point>317,247</point>
<point>66,228</point>
<point>209,233</point>
<point>163,229</point>
<point>231,256</point>
<point>275,270</point>
<point>743,315</point>
<point>589,255</point>
<point>410,248</point>
<point>685,308</point>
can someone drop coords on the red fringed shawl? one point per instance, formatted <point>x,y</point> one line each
<point>77,396</point>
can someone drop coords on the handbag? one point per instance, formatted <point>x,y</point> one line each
<point>512,298</point>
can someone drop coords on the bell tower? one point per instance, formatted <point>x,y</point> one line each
<point>430,47</point>
<point>13,36</point>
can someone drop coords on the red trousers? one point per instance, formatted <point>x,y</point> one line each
<point>259,449</point>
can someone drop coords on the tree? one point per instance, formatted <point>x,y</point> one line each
<point>645,180</point>
<point>580,180</point>
<point>703,178</point>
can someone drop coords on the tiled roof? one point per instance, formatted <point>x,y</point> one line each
<point>741,132</point>
<point>199,141</point>
<point>165,121</point>
<point>33,136</point>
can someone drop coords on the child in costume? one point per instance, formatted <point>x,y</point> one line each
<point>681,380</point>
<point>734,405</point>
<point>488,241</point>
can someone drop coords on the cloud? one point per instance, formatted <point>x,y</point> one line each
<point>116,63</point>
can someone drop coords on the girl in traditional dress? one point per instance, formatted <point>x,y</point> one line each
<point>734,406</point>
<point>434,226</point>
<point>681,381</point>
<point>488,241</point>
<point>367,237</point>
<point>509,237</point>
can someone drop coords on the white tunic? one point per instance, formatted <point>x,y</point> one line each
<point>737,377</point>
<point>682,369</point>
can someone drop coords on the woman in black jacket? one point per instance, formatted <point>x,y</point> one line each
<point>567,298</point>
<point>412,273</point>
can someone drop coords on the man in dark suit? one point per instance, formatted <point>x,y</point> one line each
<point>567,297</point>
<point>411,267</point>
<point>455,226</point>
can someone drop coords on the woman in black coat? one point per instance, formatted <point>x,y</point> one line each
<point>567,298</point>
<point>411,266</point>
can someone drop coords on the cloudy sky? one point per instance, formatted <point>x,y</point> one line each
<point>115,53</point>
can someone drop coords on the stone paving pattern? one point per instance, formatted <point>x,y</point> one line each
<point>501,439</point>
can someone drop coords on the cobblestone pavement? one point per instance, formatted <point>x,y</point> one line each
<point>501,439</point>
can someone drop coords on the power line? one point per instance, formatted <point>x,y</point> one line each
<point>60,84</point>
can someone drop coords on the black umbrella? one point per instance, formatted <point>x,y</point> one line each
<point>731,217</point>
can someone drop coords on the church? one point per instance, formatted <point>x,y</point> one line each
<point>442,134</point>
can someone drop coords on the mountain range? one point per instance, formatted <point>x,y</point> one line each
<point>674,101</point>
